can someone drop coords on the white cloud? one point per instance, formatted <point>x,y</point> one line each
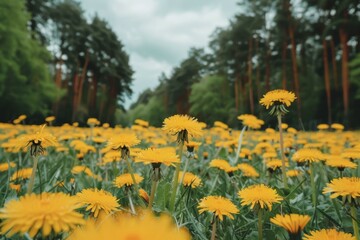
<point>157,34</point>
<point>147,72</point>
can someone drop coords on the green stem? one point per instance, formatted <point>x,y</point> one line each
<point>355,222</point>
<point>239,144</point>
<point>175,182</point>
<point>312,182</point>
<point>185,169</point>
<point>131,171</point>
<point>213,232</point>
<point>153,187</point>
<point>131,203</point>
<point>32,178</point>
<point>260,223</point>
<point>214,183</point>
<point>283,169</point>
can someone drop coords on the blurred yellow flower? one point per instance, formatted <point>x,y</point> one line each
<point>218,205</point>
<point>97,201</point>
<point>46,212</point>
<point>250,196</point>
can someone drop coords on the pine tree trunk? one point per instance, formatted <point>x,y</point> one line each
<point>267,68</point>
<point>251,93</point>
<point>82,78</point>
<point>345,71</point>
<point>334,65</point>
<point>327,80</point>
<point>295,70</point>
<point>236,92</point>
<point>283,62</point>
<point>257,79</point>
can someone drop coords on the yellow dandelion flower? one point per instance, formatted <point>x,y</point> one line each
<point>307,154</point>
<point>277,97</point>
<point>351,153</point>
<point>340,163</point>
<point>97,201</point>
<point>144,195</point>
<point>275,164</point>
<point>346,187</point>
<point>323,126</point>
<point>182,126</point>
<point>250,196</point>
<point>220,164</point>
<point>328,234</point>
<point>37,142</point>
<point>157,156</point>
<point>144,226</point>
<point>93,122</point>
<point>50,119</point>
<point>123,140</point>
<point>190,180</point>
<point>5,166</point>
<point>21,174</point>
<point>293,173</point>
<point>292,130</point>
<point>46,212</point>
<point>126,180</point>
<point>247,170</point>
<point>292,223</point>
<point>337,126</point>
<point>141,122</point>
<point>218,205</point>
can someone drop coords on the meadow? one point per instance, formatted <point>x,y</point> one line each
<point>185,180</point>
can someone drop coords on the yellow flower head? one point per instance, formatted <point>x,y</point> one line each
<point>144,195</point>
<point>46,212</point>
<point>97,201</point>
<point>166,156</point>
<point>293,173</point>
<point>123,140</point>
<point>220,164</point>
<point>93,121</point>
<point>126,180</point>
<point>50,119</point>
<point>323,126</point>
<point>142,227</point>
<point>6,166</point>
<point>182,126</point>
<point>340,163</point>
<point>218,205</point>
<point>141,122</point>
<point>21,174</point>
<point>346,187</point>
<point>337,126</point>
<point>307,154</point>
<point>293,223</point>
<point>247,170</point>
<point>277,97</point>
<point>37,142</point>
<point>250,196</point>
<point>190,180</point>
<point>251,121</point>
<point>328,234</point>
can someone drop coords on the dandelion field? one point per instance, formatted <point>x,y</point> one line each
<point>233,187</point>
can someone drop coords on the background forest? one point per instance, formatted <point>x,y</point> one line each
<point>55,61</point>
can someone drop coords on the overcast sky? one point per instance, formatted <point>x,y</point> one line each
<point>157,34</point>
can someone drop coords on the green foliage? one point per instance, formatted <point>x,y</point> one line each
<point>153,111</point>
<point>25,84</point>
<point>210,99</point>
<point>355,74</point>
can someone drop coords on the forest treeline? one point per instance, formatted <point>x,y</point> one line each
<point>55,61</point>
<point>309,47</point>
